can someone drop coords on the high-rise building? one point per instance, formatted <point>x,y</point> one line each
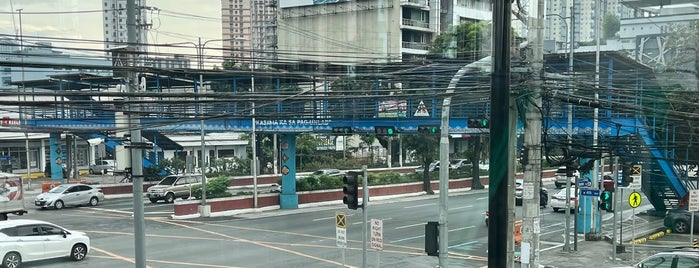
<point>585,19</point>
<point>249,30</point>
<point>115,30</point>
<point>347,32</point>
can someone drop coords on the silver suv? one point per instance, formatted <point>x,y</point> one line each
<point>172,187</point>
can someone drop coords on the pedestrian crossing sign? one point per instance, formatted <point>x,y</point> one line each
<point>421,110</point>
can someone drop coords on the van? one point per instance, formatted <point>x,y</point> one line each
<point>173,187</point>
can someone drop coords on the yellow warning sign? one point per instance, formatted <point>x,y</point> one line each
<point>340,220</point>
<point>635,199</point>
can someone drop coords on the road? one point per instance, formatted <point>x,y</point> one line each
<point>287,238</point>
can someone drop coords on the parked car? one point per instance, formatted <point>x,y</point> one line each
<point>680,220</point>
<point>433,167</point>
<point>69,195</point>
<point>31,240</point>
<point>519,189</point>
<point>673,259</point>
<point>460,164</point>
<point>173,187</point>
<point>102,167</point>
<point>561,178</point>
<point>558,200</point>
<point>328,172</point>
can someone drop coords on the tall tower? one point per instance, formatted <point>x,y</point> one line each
<point>249,30</point>
<point>114,14</point>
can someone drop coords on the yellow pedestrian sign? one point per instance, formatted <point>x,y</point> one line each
<point>635,199</point>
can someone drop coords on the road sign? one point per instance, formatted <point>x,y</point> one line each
<point>589,192</point>
<point>694,200</point>
<point>584,183</point>
<point>341,229</point>
<point>635,199</point>
<point>5,158</point>
<point>377,234</point>
<point>340,220</point>
<point>636,170</point>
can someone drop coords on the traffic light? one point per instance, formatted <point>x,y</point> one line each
<point>428,129</point>
<point>385,130</point>
<point>342,130</point>
<point>351,190</point>
<point>626,178</point>
<point>524,156</point>
<point>605,201</point>
<point>478,123</point>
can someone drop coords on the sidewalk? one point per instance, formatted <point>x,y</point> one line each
<point>599,253</point>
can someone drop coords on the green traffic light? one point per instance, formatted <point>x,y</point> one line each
<point>484,123</point>
<point>433,130</point>
<point>389,131</point>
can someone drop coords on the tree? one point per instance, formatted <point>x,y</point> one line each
<point>424,147</point>
<point>610,26</point>
<point>473,154</point>
<point>465,40</point>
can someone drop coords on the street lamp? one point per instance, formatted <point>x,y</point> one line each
<point>570,48</point>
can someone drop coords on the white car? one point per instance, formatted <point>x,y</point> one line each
<point>31,240</point>
<point>69,195</point>
<point>558,200</point>
<point>102,167</point>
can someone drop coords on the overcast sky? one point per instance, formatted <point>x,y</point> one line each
<point>178,20</point>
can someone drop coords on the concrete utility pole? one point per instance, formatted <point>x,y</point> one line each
<point>136,157</point>
<point>532,142</point>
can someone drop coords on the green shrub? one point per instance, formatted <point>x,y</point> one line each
<point>215,188</point>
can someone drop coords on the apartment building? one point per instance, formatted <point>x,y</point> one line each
<point>115,30</point>
<point>249,30</point>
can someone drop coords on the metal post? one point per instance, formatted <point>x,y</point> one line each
<point>200,51</point>
<point>615,171</point>
<point>691,230</point>
<point>633,234</point>
<point>500,233</point>
<point>254,134</point>
<point>365,202</point>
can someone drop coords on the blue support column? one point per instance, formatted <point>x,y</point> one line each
<point>588,206</point>
<point>57,156</point>
<point>288,198</point>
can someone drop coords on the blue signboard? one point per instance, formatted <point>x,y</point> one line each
<point>589,192</point>
<point>5,158</point>
<point>584,183</point>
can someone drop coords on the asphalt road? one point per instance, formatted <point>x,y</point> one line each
<point>287,238</point>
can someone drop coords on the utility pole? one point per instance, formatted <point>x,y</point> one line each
<point>502,136</point>
<point>134,127</point>
<point>532,143</point>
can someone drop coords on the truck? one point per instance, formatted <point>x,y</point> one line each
<point>11,195</point>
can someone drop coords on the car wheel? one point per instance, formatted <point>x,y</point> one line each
<point>169,198</point>
<point>680,226</point>
<point>59,204</point>
<point>11,260</point>
<point>555,209</point>
<point>94,201</point>
<point>78,252</point>
<point>3,217</point>
<point>92,171</point>
<point>559,186</point>
<point>185,197</point>
<point>153,200</point>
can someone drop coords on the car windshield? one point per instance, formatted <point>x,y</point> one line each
<point>59,189</point>
<point>167,181</point>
